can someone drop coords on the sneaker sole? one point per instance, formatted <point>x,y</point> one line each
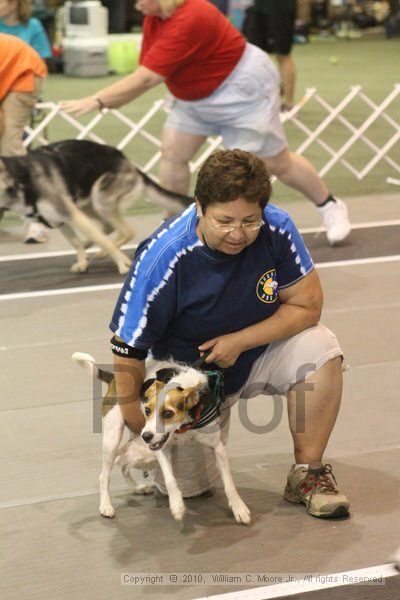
<point>34,241</point>
<point>337,513</point>
<point>339,241</point>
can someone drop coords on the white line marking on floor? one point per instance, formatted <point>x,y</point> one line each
<point>338,311</point>
<point>358,261</point>
<point>62,292</point>
<point>58,253</point>
<point>298,587</point>
<point>53,343</point>
<point>55,498</point>
<point>376,364</point>
<point>117,286</point>
<point>366,225</point>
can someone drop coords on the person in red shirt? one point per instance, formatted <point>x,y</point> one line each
<point>220,85</point>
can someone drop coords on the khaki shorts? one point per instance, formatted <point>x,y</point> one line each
<point>244,109</point>
<point>16,109</point>
<point>276,371</point>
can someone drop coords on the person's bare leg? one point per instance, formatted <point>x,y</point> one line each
<point>16,110</point>
<point>287,70</point>
<point>312,412</point>
<point>297,172</point>
<point>313,406</point>
<point>178,148</point>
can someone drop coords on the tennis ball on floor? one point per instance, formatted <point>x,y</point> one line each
<point>333,60</point>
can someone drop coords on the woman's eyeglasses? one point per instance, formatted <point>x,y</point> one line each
<point>227,228</point>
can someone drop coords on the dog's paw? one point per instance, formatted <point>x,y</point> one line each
<point>240,511</point>
<point>123,269</point>
<point>124,264</point>
<point>124,239</point>
<point>100,254</point>
<point>107,510</point>
<point>143,489</point>
<point>80,267</point>
<point>178,509</point>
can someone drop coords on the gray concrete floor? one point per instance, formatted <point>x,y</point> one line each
<point>54,544</point>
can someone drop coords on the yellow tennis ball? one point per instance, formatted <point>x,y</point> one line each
<point>333,60</point>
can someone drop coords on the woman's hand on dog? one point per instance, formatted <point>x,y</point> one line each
<point>80,107</point>
<point>225,350</point>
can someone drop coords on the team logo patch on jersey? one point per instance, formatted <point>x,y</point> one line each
<point>267,287</point>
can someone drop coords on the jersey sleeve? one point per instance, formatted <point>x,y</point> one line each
<point>147,302</point>
<point>293,260</point>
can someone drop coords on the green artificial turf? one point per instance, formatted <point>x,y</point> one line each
<point>370,61</point>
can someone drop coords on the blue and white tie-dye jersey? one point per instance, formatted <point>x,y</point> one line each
<point>179,293</point>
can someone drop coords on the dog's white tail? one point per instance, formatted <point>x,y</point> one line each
<point>86,361</point>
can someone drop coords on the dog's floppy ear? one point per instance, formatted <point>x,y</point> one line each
<point>146,386</point>
<point>191,396</point>
<point>166,374</point>
<point>150,387</point>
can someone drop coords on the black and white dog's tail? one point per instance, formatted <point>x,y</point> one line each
<point>155,194</point>
<point>88,362</point>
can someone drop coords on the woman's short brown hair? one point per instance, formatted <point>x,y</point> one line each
<point>229,174</point>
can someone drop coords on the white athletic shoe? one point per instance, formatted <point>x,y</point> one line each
<point>35,233</point>
<point>336,220</point>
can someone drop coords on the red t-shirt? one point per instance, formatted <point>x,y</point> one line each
<point>195,49</point>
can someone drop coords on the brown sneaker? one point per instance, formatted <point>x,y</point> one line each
<point>316,488</point>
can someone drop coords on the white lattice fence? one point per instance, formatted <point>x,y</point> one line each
<point>368,131</point>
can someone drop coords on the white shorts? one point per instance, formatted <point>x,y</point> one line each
<point>276,371</point>
<point>244,109</point>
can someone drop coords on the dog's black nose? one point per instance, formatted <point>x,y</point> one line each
<point>147,436</point>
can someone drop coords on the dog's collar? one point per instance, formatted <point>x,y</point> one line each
<point>208,407</point>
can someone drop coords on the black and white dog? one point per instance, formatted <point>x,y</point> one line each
<point>66,183</point>
<point>176,399</point>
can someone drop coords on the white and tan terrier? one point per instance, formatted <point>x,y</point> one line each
<point>176,399</point>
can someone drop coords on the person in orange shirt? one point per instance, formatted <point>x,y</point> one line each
<point>21,75</point>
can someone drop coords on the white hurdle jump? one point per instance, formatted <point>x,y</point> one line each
<point>297,117</point>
